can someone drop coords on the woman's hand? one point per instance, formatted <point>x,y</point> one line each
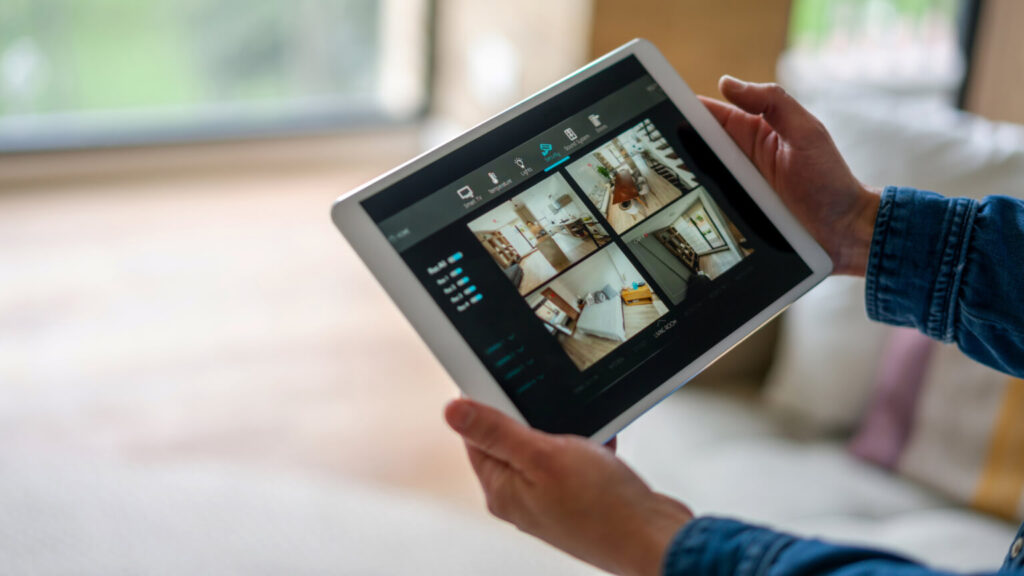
<point>571,493</point>
<point>796,155</point>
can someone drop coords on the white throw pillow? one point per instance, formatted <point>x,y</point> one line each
<point>828,351</point>
<point>823,372</point>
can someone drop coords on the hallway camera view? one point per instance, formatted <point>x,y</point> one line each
<point>632,176</point>
<point>596,306</point>
<point>539,233</point>
<point>687,244</point>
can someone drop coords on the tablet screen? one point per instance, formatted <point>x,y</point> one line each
<point>589,249</point>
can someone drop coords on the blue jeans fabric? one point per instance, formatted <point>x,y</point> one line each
<point>954,269</point>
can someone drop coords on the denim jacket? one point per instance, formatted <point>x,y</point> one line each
<point>954,269</point>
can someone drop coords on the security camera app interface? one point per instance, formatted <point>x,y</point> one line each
<point>588,249</point>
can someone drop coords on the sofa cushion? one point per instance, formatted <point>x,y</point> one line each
<point>716,449</point>
<point>947,422</point>
<point>825,361</point>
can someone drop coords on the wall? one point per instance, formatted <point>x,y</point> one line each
<point>624,268</point>
<point>593,184</point>
<point>665,269</point>
<point>489,55</point>
<point>592,274</point>
<point>495,219</point>
<point>702,39</point>
<point>516,239</point>
<point>566,291</point>
<point>997,69</point>
<point>539,198</point>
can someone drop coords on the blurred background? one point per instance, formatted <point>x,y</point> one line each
<point>198,375</point>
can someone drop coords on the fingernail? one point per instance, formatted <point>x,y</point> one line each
<point>734,80</point>
<point>460,414</point>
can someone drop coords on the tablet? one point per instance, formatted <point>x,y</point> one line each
<point>578,257</point>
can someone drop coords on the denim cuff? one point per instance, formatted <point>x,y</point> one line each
<point>917,258</point>
<point>1015,561</point>
<point>715,546</point>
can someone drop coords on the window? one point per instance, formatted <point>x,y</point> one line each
<point>897,46</point>
<point>117,72</point>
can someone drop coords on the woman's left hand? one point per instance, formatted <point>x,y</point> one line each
<point>568,492</point>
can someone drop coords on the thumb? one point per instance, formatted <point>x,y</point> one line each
<point>494,433</point>
<point>785,115</point>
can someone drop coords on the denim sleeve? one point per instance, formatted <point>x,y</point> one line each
<point>954,269</point>
<point>718,547</point>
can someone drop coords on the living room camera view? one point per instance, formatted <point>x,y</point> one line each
<point>539,233</point>
<point>596,306</point>
<point>632,176</point>
<point>689,243</point>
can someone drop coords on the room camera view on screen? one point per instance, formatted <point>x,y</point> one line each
<point>588,255</point>
<point>632,176</point>
<point>596,306</point>
<point>539,233</point>
<point>549,244</point>
<point>689,243</point>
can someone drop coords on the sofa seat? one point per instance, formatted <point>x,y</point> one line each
<point>716,448</point>
<point>712,446</point>
<point>71,515</point>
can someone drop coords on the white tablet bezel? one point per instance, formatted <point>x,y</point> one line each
<point>444,340</point>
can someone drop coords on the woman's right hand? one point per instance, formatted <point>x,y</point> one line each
<point>795,153</point>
